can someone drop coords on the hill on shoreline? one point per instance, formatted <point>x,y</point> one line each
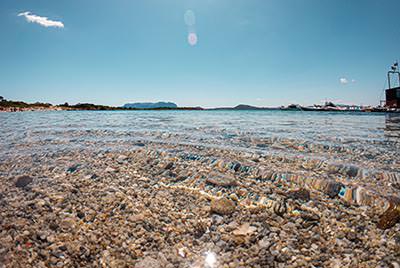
<point>244,107</point>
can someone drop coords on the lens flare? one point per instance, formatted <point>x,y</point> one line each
<point>192,39</point>
<point>190,18</point>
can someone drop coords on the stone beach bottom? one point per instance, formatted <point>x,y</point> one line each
<point>165,205</point>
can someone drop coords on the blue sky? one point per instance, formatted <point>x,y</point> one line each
<point>259,52</point>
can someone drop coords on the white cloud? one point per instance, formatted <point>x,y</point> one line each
<point>41,20</point>
<point>343,81</point>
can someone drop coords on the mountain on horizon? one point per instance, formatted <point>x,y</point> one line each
<point>244,107</point>
<point>150,105</point>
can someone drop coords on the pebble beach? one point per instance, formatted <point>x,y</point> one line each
<point>199,189</point>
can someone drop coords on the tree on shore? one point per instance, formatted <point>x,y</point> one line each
<point>2,98</point>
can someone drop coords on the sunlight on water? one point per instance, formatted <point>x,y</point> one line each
<point>210,260</point>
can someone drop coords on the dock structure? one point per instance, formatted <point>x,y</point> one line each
<point>393,93</point>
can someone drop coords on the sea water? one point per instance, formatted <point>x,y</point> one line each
<point>368,139</point>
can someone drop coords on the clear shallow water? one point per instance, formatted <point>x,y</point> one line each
<point>327,135</point>
<point>59,150</point>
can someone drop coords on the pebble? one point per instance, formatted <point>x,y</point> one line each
<point>223,206</point>
<point>245,229</point>
<point>217,219</point>
<point>222,181</point>
<point>301,194</point>
<point>148,262</point>
<point>67,224</point>
<point>391,215</point>
<point>169,165</point>
<point>288,216</point>
<point>23,181</point>
<point>139,144</point>
<point>73,168</point>
<point>110,170</point>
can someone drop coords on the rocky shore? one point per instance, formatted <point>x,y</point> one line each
<point>29,109</point>
<point>163,205</point>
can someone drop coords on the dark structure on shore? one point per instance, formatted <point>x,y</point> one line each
<point>393,94</point>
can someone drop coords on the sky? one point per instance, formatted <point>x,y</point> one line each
<point>205,53</point>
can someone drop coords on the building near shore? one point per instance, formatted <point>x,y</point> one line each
<point>393,97</point>
<point>393,92</point>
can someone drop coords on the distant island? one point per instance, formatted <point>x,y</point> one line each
<point>246,107</point>
<point>20,106</point>
<point>150,105</point>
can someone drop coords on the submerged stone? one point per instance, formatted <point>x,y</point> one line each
<point>352,171</point>
<point>331,188</point>
<point>223,206</point>
<point>236,166</point>
<point>301,194</point>
<point>23,181</point>
<point>391,216</point>
<point>140,144</point>
<point>245,229</point>
<point>72,169</point>
<point>148,262</point>
<point>222,181</point>
<point>169,165</point>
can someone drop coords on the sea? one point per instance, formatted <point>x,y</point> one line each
<point>370,140</point>
<point>200,188</point>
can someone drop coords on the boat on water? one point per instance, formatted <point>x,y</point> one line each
<point>292,107</point>
<point>390,105</point>
<point>331,107</point>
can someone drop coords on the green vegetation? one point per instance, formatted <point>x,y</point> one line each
<point>20,104</point>
<point>16,105</point>
<point>95,107</point>
<point>87,106</point>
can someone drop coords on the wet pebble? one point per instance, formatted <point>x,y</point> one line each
<point>391,216</point>
<point>300,194</point>
<point>222,181</point>
<point>169,165</point>
<point>223,206</point>
<point>23,181</point>
<point>73,168</point>
<point>148,262</point>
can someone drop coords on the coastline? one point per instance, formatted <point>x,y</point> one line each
<point>18,106</point>
<point>56,108</point>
